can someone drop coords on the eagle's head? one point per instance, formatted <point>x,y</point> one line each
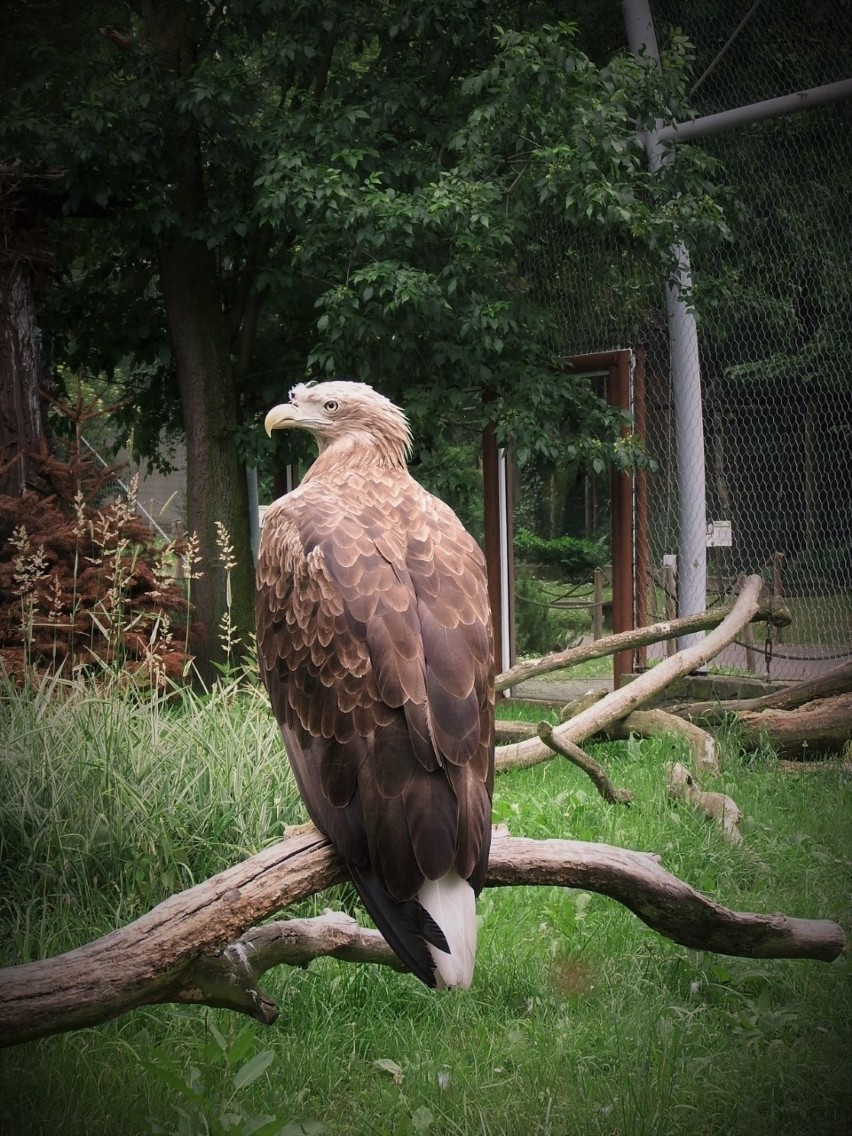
<point>345,415</point>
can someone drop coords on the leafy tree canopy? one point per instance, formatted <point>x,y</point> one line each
<point>375,181</point>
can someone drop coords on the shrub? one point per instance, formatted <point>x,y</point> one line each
<point>574,558</point>
<point>538,629</point>
<point>84,582</point>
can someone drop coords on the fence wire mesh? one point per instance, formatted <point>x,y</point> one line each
<point>774,310</point>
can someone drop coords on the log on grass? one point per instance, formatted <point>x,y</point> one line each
<point>646,723</point>
<point>195,948</point>
<point>825,724</point>
<point>718,807</point>
<point>657,723</point>
<point>622,702</point>
<point>838,680</point>
<point>507,731</point>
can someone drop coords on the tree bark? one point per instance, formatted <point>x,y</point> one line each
<point>621,702</point>
<point>216,491</point>
<point>22,421</point>
<point>836,681</point>
<point>642,636</point>
<point>189,949</point>
<point>825,724</point>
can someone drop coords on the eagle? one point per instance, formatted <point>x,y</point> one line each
<point>375,645</point>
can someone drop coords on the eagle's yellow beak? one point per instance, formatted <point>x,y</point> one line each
<point>281,417</point>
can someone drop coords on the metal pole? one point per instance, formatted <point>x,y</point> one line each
<point>686,377</point>
<point>254,510</point>
<point>493,538</point>
<point>757,112</point>
<point>623,589</point>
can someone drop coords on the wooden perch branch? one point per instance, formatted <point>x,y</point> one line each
<point>582,760</point>
<point>641,637</point>
<point>621,702</point>
<point>192,948</point>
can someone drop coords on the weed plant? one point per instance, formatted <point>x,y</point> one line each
<point>581,1020</point>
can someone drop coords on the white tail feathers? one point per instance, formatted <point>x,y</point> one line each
<point>451,903</point>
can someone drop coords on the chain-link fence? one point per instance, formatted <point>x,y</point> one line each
<point>774,339</point>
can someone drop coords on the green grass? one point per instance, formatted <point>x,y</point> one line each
<point>581,1020</point>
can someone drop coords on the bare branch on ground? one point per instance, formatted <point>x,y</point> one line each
<point>599,777</point>
<point>622,702</point>
<point>718,807</point>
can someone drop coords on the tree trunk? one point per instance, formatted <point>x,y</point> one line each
<point>216,492</point>
<point>22,422</point>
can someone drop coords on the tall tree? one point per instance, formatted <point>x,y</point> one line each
<point>334,188</point>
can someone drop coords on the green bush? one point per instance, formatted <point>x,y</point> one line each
<point>575,559</point>
<point>538,629</point>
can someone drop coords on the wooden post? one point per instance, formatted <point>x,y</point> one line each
<point>640,483</point>
<point>597,610</point>
<point>670,590</point>
<point>618,391</point>
<point>748,637</point>
<point>616,366</point>
<point>777,590</point>
<point>490,488</point>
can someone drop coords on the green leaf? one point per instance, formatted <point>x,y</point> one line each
<point>253,1069</point>
<point>422,1119</point>
<point>240,1046</point>
<point>217,1035</point>
<point>174,1081</point>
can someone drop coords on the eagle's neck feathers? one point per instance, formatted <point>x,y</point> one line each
<point>355,450</point>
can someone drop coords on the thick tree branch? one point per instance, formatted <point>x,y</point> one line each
<point>621,702</point>
<point>825,724</point>
<point>838,680</point>
<point>642,636</point>
<point>192,947</point>
<point>595,771</point>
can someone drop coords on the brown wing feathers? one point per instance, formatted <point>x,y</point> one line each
<point>374,642</point>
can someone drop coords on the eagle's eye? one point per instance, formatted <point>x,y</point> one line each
<point>331,405</point>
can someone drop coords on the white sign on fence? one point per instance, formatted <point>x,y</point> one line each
<point>719,534</point>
